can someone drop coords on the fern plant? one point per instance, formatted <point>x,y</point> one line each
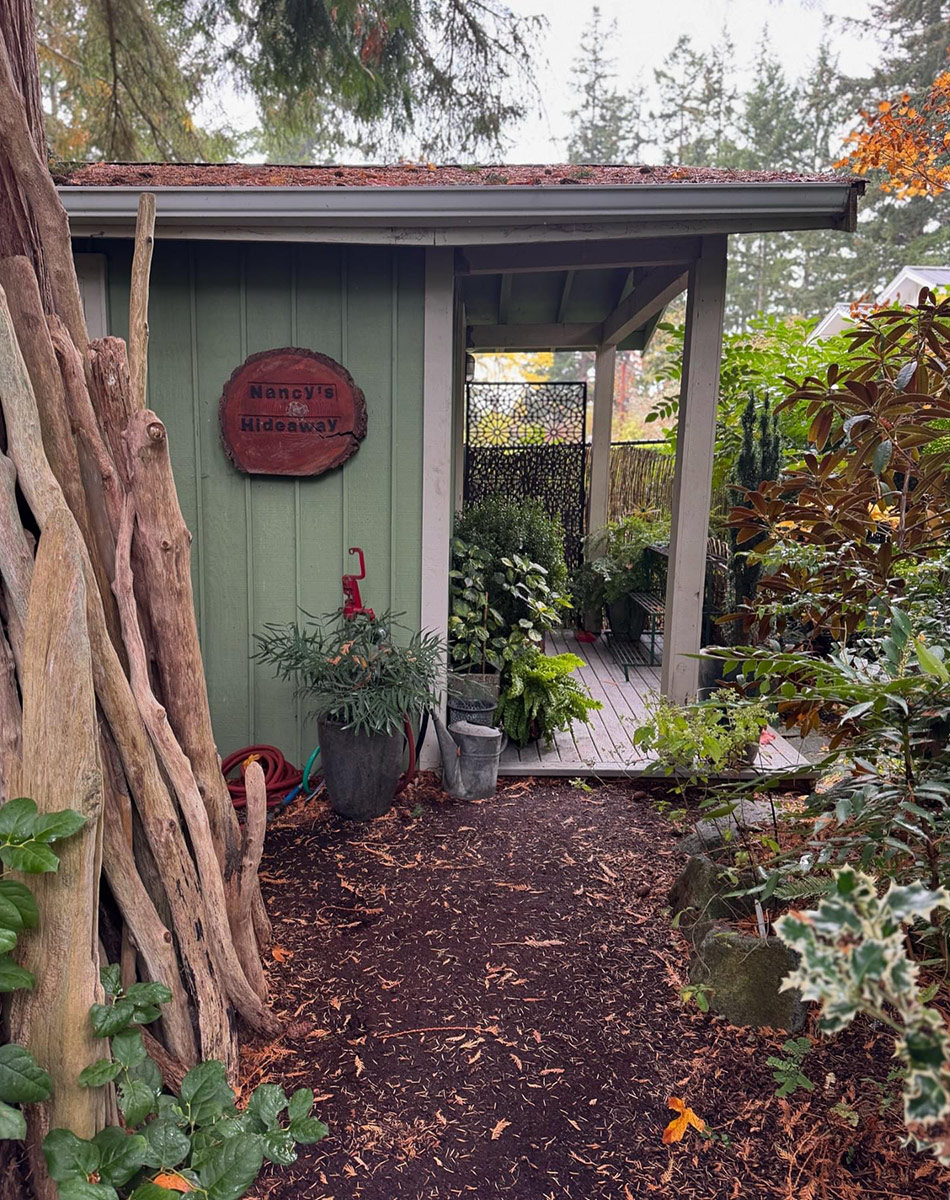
<point>540,698</point>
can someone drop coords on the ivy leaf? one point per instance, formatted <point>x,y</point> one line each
<point>137,1100</point>
<point>12,1124</point>
<point>111,978</point>
<point>50,827</point>
<point>17,905</point>
<point>167,1145</point>
<point>82,1189</point>
<point>148,994</point>
<point>120,1154</point>
<point>267,1102</point>
<point>154,1191</point>
<point>205,1093</point>
<point>22,1081</point>
<point>308,1131</point>
<point>99,1073</point>
<point>14,978</point>
<point>279,1147</point>
<point>128,1049</point>
<point>110,1019</point>
<point>16,818</point>
<point>300,1105</point>
<point>231,1168</point>
<point>33,858</point>
<point>69,1157</point>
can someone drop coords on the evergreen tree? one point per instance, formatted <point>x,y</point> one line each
<point>122,78</point>
<point>605,123</point>
<point>694,121</point>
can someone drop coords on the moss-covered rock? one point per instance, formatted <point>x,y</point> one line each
<point>743,975</point>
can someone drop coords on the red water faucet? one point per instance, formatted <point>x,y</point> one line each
<point>352,601</point>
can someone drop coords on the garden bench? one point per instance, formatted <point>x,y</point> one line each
<point>627,653</point>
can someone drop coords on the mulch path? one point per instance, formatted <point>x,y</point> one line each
<point>485,998</point>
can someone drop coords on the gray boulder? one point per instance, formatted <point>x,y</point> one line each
<point>743,975</point>
<point>710,835</point>
<point>700,893</point>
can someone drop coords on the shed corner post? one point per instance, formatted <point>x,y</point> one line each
<point>437,449</point>
<point>692,484</point>
<point>601,428</point>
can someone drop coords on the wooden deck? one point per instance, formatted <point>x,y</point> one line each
<point>604,748</point>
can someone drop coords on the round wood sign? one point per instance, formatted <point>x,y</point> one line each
<point>291,412</point>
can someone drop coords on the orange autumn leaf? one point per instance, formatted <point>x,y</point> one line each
<point>678,1126</point>
<point>279,954</point>
<point>174,1183</point>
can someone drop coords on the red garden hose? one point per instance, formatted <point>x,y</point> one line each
<point>280,777</point>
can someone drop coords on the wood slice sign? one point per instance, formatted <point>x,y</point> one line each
<point>291,412</point>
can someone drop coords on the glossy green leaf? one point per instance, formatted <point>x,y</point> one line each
<point>16,818</point>
<point>69,1157</point>
<point>22,1080</point>
<point>51,827</point>
<point>13,977</point>
<point>121,1154</point>
<point>33,858</point>
<point>12,1123</point>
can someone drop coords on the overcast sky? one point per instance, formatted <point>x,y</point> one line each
<point>646,32</point>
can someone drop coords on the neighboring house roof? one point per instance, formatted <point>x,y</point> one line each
<point>904,288</point>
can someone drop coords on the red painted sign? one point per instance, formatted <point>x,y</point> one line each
<point>291,412</point>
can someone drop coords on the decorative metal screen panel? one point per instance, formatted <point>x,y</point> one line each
<point>526,441</point>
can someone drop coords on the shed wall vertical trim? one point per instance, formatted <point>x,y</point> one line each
<point>394,514</point>
<point>604,370</point>
<point>248,535</point>
<point>197,543</point>
<point>344,358</point>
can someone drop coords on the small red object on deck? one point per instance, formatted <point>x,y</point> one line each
<point>352,601</point>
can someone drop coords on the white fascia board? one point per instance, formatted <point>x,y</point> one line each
<point>242,209</point>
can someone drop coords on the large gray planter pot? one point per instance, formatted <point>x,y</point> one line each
<point>361,770</point>
<point>626,619</point>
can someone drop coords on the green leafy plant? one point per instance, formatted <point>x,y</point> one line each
<point>700,739</point>
<point>479,635</point>
<point>698,994</point>
<point>853,959</point>
<point>787,1071</point>
<point>501,528</point>
<point>620,556</point>
<point>540,697</point>
<point>353,671</point>
<point>199,1138</point>
<point>26,836</point>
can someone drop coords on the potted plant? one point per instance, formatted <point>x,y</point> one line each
<point>623,564</point>
<point>586,586</point>
<point>363,687</point>
<point>540,697</point>
<point>715,735</point>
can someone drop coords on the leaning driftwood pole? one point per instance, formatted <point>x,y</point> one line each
<point>86,486</point>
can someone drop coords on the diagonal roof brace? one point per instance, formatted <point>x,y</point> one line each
<point>649,296</point>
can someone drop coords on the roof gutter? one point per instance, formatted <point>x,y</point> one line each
<point>785,205</point>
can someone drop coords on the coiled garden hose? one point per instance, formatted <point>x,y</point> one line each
<point>280,776</point>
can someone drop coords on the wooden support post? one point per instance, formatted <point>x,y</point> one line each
<point>597,510</point>
<point>692,484</point>
<point>437,496</point>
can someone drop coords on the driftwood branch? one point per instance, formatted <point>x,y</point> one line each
<point>138,299</point>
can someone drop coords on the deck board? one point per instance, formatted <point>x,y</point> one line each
<point>604,748</point>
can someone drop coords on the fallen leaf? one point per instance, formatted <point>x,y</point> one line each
<point>358,1063</point>
<point>499,1129</point>
<point>678,1126</point>
<point>174,1183</point>
<point>279,954</point>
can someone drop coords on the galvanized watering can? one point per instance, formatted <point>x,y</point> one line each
<point>470,756</point>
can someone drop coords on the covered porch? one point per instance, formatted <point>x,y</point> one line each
<point>604,749</point>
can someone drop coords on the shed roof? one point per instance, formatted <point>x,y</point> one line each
<point>180,175</point>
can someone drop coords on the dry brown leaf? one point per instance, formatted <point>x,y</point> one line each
<point>279,954</point>
<point>677,1127</point>
<point>499,1129</point>
<point>173,1182</point>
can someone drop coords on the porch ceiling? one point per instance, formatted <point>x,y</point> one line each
<point>565,295</point>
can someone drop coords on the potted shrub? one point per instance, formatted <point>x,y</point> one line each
<point>362,687</point>
<point>719,734</point>
<point>624,566</point>
<point>540,697</point>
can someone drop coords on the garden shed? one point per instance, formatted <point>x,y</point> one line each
<point>393,274</point>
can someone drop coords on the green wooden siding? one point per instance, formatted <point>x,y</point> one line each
<point>266,548</point>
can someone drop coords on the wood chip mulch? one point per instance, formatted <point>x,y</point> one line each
<point>486,1000</point>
